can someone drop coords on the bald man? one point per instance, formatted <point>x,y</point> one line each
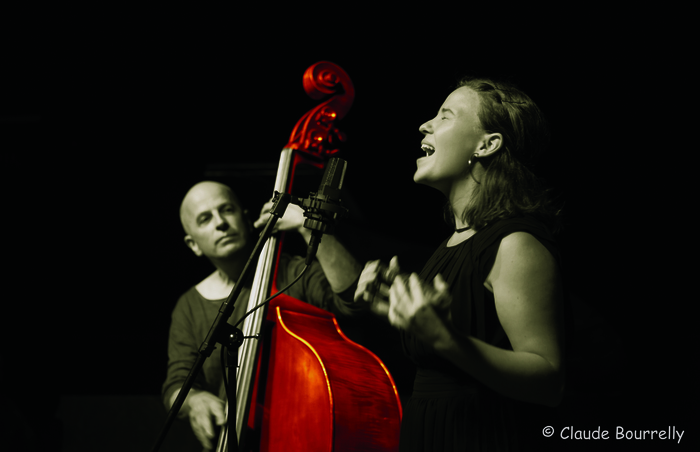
<point>217,227</point>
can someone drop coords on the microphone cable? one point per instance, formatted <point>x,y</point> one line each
<point>260,305</point>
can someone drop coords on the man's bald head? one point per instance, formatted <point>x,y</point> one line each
<point>197,199</point>
<point>215,224</point>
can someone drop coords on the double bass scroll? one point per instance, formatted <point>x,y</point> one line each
<point>305,385</point>
<point>315,135</point>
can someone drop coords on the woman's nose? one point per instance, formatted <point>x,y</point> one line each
<point>426,128</point>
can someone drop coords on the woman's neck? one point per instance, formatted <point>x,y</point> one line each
<point>459,195</point>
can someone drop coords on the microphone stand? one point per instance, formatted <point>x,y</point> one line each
<point>226,334</point>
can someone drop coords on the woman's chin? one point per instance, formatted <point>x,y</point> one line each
<point>420,177</point>
<point>428,182</point>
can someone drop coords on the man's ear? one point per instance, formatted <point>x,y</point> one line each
<point>191,244</point>
<point>492,143</point>
<point>248,220</point>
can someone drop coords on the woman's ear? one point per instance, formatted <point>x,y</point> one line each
<point>493,142</point>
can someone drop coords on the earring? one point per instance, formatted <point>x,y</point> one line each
<point>471,168</point>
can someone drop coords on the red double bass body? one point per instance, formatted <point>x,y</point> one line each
<point>310,387</point>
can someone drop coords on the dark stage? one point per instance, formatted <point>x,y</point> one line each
<point>145,113</point>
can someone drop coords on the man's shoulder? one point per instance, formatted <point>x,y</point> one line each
<point>189,293</point>
<point>188,297</point>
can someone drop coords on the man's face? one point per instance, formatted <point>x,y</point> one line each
<point>214,221</point>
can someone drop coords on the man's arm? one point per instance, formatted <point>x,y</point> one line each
<point>203,409</point>
<point>340,267</point>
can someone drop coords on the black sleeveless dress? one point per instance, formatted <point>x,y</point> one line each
<point>449,410</point>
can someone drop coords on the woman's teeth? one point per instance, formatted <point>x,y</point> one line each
<point>429,150</point>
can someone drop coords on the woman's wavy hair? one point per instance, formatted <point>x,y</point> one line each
<point>508,188</point>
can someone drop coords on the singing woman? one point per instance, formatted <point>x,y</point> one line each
<point>483,320</point>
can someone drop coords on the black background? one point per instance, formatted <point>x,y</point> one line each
<point>162,99</point>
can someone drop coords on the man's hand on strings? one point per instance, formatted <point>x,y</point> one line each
<point>205,411</point>
<point>293,218</point>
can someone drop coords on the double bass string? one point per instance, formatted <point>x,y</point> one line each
<point>273,296</point>
<point>260,305</point>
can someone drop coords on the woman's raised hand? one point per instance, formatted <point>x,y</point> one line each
<point>419,307</point>
<point>373,285</point>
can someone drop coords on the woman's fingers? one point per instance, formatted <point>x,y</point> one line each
<point>367,283</point>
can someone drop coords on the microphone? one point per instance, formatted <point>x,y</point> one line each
<point>322,208</point>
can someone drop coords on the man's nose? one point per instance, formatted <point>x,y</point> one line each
<point>221,223</point>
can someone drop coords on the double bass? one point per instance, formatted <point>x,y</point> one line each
<point>301,384</point>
